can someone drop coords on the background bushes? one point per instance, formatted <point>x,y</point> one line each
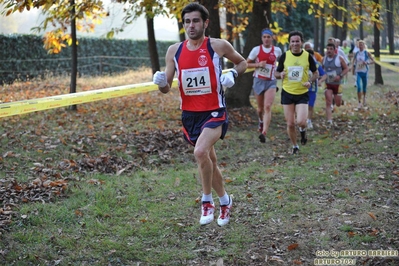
<point>23,57</point>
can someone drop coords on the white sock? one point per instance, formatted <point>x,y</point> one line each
<point>225,200</point>
<point>207,198</point>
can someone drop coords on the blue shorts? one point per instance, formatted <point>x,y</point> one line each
<point>288,98</point>
<point>312,98</point>
<point>195,122</point>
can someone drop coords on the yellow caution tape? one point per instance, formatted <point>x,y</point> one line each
<point>386,65</point>
<point>34,105</point>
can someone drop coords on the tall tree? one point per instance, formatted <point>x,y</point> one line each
<point>316,30</point>
<point>213,29</point>
<point>377,25</point>
<point>238,95</point>
<point>323,32</point>
<point>152,43</point>
<point>74,46</point>
<point>295,17</point>
<point>229,33</point>
<point>182,35</point>
<point>390,26</point>
<point>344,32</point>
<point>361,32</point>
<point>61,16</point>
<point>149,9</point>
<point>337,29</point>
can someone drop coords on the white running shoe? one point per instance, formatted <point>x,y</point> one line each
<point>309,124</point>
<point>207,215</point>
<point>224,216</point>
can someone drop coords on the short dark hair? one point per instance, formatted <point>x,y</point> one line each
<point>195,7</point>
<point>331,44</point>
<point>295,33</point>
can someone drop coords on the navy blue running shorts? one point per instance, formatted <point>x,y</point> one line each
<point>195,122</point>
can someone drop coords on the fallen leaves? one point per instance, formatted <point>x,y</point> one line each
<point>351,234</point>
<point>13,193</point>
<point>293,246</point>
<point>372,215</point>
<point>95,182</point>
<point>79,213</point>
<point>274,258</point>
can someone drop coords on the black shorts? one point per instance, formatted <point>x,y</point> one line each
<point>195,122</point>
<point>288,98</point>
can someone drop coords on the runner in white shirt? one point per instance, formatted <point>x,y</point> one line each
<point>264,58</point>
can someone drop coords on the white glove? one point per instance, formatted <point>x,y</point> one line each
<point>227,79</point>
<point>160,79</point>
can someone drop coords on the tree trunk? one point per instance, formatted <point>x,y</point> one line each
<point>237,41</point>
<point>361,33</point>
<point>323,33</point>
<point>238,95</point>
<point>316,30</point>
<point>389,6</point>
<point>74,69</point>
<point>182,35</point>
<point>152,46</point>
<point>338,16</point>
<point>344,32</point>
<point>378,75</point>
<point>213,29</point>
<point>229,34</point>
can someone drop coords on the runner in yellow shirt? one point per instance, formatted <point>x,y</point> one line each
<point>293,68</point>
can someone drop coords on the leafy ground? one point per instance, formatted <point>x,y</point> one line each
<point>115,184</point>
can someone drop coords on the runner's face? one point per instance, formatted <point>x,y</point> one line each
<point>267,40</point>
<point>194,25</point>
<point>295,44</point>
<point>361,46</point>
<point>330,51</point>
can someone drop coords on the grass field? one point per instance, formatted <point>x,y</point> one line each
<point>115,184</point>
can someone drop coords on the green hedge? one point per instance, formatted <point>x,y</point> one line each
<point>23,57</point>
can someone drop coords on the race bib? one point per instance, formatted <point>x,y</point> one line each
<point>331,76</point>
<point>295,73</point>
<point>266,71</point>
<point>361,66</point>
<point>196,81</point>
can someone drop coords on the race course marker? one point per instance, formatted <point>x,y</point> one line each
<point>40,104</point>
<point>34,105</point>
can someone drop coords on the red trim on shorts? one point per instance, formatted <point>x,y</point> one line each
<point>215,119</point>
<point>187,136</point>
